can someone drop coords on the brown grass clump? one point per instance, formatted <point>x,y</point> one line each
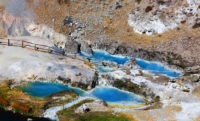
<point>2,8</point>
<point>89,64</point>
<point>196,91</point>
<point>3,101</point>
<point>19,100</point>
<point>129,116</point>
<point>21,107</point>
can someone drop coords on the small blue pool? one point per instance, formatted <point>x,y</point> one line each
<point>44,89</point>
<point>114,95</point>
<point>105,56</point>
<point>157,68</point>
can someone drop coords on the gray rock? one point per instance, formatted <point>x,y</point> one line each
<point>72,47</point>
<point>195,78</point>
<point>86,47</point>
<point>109,64</point>
<point>64,80</point>
<point>196,24</point>
<point>192,70</point>
<point>95,79</point>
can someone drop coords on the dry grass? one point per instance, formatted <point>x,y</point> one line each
<point>19,100</point>
<point>116,28</point>
<point>197,119</point>
<point>45,11</point>
<point>20,107</point>
<point>89,64</point>
<point>3,101</point>
<point>128,116</point>
<point>167,113</point>
<point>2,32</point>
<point>196,91</point>
<point>144,116</point>
<point>2,8</point>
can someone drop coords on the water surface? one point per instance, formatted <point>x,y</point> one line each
<point>108,94</point>
<point>100,55</point>
<point>157,68</point>
<point>44,89</point>
<point>114,95</point>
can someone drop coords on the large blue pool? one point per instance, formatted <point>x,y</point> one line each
<point>44,89</point>
<point>157,68</point>
<point>114,95</point>
<point>105,56</point>
<point>108,94</point>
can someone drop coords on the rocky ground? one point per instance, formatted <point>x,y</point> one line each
<point>103,23</point>
<point>178,98</point>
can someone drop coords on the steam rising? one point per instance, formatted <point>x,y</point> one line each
<point>17,8</point>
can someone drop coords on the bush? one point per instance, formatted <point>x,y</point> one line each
<point>138,1</point>
<point>128,86</point>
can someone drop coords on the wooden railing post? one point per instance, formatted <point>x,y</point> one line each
<point>8,42</point>
<point>22,43</point>
<point>35,47</point>
<point>49,49</point>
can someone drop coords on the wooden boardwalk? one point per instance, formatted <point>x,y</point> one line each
<point>30,45</point>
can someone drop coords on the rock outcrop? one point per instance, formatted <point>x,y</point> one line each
<point>158,16</point>
<point>72,47</point>
<point>193,70</point>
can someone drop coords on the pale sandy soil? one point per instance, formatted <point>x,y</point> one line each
<point>196,91</point>
<point>17,63</point>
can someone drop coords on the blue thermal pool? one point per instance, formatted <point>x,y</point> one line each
<point>44,89</point>
<point>157,68</point>
<point>108,94</point>
<point>114,95</point>
<point>105,56</point>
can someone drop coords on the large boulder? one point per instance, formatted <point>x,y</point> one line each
<point>72,47</point>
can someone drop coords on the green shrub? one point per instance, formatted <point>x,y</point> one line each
<point>128,86</point>
<point>138,1</point>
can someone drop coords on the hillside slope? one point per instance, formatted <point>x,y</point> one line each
<point>147,24</point>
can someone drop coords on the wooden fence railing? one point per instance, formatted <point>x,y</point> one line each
<point>30,45</point>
